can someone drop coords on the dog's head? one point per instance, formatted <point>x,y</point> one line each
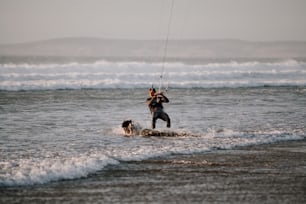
<point>128,127</point>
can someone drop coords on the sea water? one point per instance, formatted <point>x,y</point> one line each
<point>63,121</point>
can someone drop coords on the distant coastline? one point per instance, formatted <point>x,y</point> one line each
<point>64,50</point>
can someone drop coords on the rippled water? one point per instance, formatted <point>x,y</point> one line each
<point>50,135</point>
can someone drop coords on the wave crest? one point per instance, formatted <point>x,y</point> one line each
<point>105,74</point>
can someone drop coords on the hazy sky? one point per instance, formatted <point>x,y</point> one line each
<point>254,20</point>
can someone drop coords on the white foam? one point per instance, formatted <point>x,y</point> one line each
<point>40,171</point>
<point>105,74</point>
<point>32,171</point>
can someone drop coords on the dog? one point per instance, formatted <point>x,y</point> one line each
<point>130,128</point>
<point>133,129</point>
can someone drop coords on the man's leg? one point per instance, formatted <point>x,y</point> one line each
<point>154,118</point>
<point>165,117</point>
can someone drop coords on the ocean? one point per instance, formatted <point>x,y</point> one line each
<point>62,122</point>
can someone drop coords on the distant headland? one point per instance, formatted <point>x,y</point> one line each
<point>150,50</point>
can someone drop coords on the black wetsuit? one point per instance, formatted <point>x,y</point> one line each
<point>156,108</point>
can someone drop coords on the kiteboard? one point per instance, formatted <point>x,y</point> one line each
<point>131,128</point>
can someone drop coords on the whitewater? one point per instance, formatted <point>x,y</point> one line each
<point>106,74</point>
<point>63,121</point>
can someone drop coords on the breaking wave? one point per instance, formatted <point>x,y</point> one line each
<point>62,166</point>
<point>105,74</point>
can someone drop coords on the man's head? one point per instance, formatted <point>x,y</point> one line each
<point>152,92</point>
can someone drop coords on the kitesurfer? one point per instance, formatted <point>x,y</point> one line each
<point>155,104</point>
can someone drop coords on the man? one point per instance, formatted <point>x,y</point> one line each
<point>155,104</point>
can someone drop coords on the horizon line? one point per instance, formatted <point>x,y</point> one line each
<point>150,39</point>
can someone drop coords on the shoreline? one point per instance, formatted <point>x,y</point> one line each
<point>268,173</point>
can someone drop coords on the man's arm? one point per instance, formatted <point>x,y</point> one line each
<point>164,98</point>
